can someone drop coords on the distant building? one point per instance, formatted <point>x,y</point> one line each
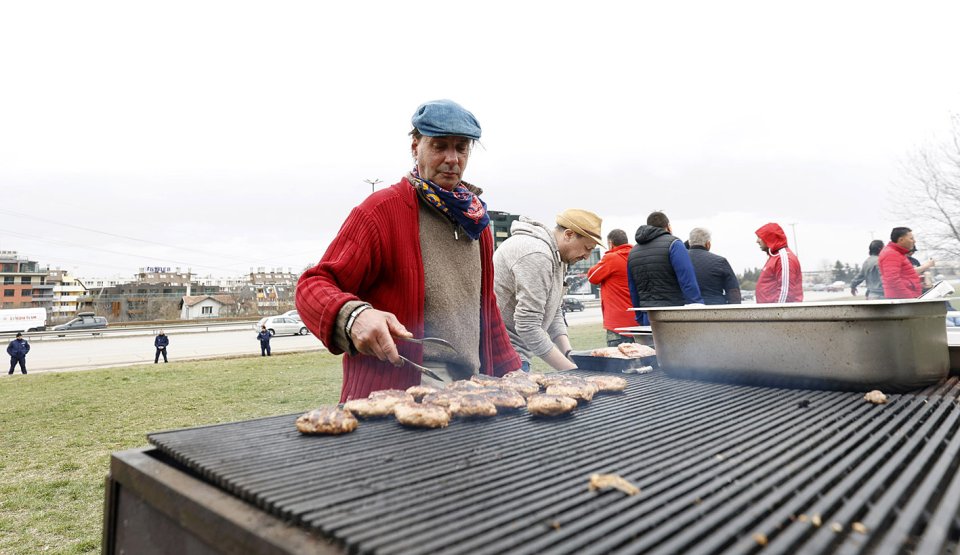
<point>163,275</point>
<point>206,306</point>
<point>24,283</point>
<point>577,276</point>
<point>500,223</point>
<point>273,289</point>
<point>69,295</point>
<point>145,301</point>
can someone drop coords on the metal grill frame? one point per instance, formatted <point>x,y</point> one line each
<point>720,467</point>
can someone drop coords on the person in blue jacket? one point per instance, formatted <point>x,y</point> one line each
<point>264,337</point>
<point>161,343</point>
<point>18,349</point>
<point>659,270</point>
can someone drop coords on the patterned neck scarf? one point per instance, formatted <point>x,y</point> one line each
<point>460,205</point>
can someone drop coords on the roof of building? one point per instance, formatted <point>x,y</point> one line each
<point>196,299</point>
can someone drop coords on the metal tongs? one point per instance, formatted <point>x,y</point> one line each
<point>426,340</point>
<point>429,340</point>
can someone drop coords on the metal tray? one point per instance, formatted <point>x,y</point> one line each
<point>891,345</point>
<point>585,361</point>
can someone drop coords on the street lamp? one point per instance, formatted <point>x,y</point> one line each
<point>796,246</point>
<point>373,183</point>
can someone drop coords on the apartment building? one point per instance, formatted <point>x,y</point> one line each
<point>69,295</point>
<point>24,282</point>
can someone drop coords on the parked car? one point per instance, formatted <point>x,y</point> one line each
<point>283,325</point>
<point>83,321</point>
<point>571,304</point>
<point>292,314</point>
<point>953,318</point>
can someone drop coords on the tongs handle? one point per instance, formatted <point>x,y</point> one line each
<point>423,369</point>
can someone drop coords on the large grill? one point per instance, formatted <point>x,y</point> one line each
<point>722,468</point>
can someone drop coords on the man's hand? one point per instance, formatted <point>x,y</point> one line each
<point>373,332</point>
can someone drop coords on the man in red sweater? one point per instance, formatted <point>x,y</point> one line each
<point>781,280</point>
<point>611,275</point>
<point>900,279</point>
<point>413,260</point>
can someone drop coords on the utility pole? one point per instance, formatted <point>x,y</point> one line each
<point>373,184</point>
<point>796,246</point>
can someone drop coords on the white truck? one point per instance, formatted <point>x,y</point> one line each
<point>23,319</point>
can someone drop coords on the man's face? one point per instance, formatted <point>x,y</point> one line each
<point>907,241</point>
<point>763,246</point>
<point>442,160</point>
<point>574,247</point>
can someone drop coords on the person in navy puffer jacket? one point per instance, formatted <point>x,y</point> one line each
<point>18,349</point>
<point>264,337</point>
<point>161,343</point>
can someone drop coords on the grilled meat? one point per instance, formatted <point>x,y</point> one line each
<point>446,398</point>
<point>505,399</point>
<point>372,408</point>
<point>421,415</point>
<point>474,406</point>
<point>550,405</point>
<point>522,386</point>
<point>327,420</point>
<point>485,380</point>
<point>418,392</point>
<point>608,383</point>
<point>605,481</point>
<point>580,391</point>
<point>636,350</point>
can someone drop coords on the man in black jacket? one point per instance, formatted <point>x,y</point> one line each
<point>659,270</point>
<point>718,283</point>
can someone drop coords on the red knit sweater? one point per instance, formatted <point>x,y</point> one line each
<point>376,258</point>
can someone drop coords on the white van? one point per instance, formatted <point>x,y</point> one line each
<point>23,319</point>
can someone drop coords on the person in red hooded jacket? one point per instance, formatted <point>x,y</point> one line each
<point>781,280</point>
<point>611,275</point>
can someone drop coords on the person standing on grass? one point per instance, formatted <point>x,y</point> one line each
<point>161,343</point>
<point>264,337</point>
<point>18,349</point>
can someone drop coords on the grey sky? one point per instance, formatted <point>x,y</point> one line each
<point>238,134</point>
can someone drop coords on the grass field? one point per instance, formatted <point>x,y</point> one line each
<point>57,430</point>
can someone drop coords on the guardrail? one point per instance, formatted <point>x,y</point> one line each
<point>150,329</point>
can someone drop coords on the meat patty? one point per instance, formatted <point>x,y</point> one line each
<point>608,384</point>
<point>550,405</point>
<point>463,385</point>
<point>327,420</point>
<point>505,399</point>
<point>636,350</point>
<point>398,394</point>
<point>445,398</point>
<point>607,352</point>
<point>421,415</point>
<point>485,380</point>
<point>562,377</point>
<point>373,408</point>
<point>522,386</point>
<point>474,406</point>
<point>581,392</point>
<point>418,392</point>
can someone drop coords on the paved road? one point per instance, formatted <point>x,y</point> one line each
<point>90,352</point>
<point>100,352</point>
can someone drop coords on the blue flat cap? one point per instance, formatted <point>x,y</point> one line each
<point>438,118</point>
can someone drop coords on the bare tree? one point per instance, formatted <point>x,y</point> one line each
<point>930,193</point>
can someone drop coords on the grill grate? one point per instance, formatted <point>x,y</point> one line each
<point>717,465</point>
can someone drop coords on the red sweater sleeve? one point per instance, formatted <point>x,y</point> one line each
<point>323,289</point>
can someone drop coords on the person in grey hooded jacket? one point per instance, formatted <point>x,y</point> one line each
<point>529,268</point>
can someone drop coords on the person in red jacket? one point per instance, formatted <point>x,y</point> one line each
<point>781,280</point>
<point>900,279</point>
<point>611,275</point>
<point>413,260</point>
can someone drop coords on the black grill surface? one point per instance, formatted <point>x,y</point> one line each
<point>721,468</point>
